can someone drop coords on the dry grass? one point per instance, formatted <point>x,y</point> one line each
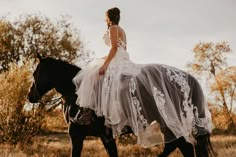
<point>16,123</point>
<point>58,145</point>
<point>55,143</point>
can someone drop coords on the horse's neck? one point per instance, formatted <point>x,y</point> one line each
<point>63,81</point>
<point>67,89</point>
<point>63,78</point>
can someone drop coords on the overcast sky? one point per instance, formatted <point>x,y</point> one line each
<point>158,31</point>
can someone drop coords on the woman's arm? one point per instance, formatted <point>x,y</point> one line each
<point>113,37</point>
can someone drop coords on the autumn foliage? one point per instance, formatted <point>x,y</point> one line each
<point>210,63</point>
<point>23,37</point>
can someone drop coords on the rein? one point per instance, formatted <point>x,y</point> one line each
<point>36,78</point>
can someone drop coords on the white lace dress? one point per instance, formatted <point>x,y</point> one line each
<point>160,103</point>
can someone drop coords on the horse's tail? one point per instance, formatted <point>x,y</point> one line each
<point>204,148</point>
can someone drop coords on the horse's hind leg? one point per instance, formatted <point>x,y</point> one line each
<point>186,148</point>
<point>109,143</point>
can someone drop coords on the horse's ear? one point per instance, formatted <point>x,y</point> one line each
<point>38,56</point>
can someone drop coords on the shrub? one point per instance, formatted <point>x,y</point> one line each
<point>17,123</point>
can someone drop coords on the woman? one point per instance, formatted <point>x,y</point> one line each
<point>151,99</point>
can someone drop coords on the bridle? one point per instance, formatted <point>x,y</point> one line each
<point>36,91</point>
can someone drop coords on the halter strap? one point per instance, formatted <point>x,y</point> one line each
<point>119,40</point>
<point>117,33</point>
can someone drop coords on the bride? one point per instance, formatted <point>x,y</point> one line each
<point>151,99</point>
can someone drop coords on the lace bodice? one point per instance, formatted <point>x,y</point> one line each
<point>107,40</point>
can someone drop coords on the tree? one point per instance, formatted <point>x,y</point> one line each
<point>210,59</point>
<point>227,83</point>
<point>22,38</point>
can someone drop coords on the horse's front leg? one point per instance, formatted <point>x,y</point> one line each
<point>186,148</point>
<point>169,148</point>
<point>77,139</point>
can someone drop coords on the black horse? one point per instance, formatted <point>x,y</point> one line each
<point>51,73</point>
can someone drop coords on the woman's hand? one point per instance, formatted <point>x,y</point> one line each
<point>102,70</point>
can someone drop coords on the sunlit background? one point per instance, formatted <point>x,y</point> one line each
<point>158,31</point>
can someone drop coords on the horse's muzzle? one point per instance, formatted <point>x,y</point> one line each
<point>34,96</point>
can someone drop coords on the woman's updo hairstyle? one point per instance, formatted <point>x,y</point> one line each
<point>114,16</point>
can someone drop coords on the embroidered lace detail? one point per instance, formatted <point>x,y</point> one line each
<point>199,122</point>
<point>190,111</point>
<point>135,102</point>
<point>107,82</point>
<point>180,78</point>
<point>121,43</point>
<point>152,135</point>
<point>107,40</point>
<point>195,119</point>
<point>160,101</point>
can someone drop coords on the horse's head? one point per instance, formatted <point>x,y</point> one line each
<point>51,73</point>
<point>42,82</point>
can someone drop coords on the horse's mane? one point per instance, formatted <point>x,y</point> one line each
<point>60,63</point>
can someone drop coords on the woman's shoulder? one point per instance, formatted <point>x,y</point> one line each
<point>116,28</point>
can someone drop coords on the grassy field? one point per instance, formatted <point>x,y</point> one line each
<point>56,143</point>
